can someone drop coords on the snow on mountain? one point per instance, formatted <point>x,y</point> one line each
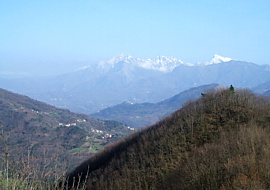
<point>161,63</point>
<point>111,63</point>
<point>84,68</point>
<point>218,59</point>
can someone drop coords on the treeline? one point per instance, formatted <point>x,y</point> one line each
<point>220,141</point>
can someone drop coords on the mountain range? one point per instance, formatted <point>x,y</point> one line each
<point>200,134</point>
<point>124,78</point>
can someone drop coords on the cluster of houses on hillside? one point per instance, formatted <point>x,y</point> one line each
<point>73,123</point>
<point>131,128</point>
<point>68,124</point>
<point>97,131</point>
<point>105,136</point>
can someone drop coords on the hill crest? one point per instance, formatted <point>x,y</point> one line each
<point>191,148</point>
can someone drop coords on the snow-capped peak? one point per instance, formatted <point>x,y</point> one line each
<point>161,63</point>
<point>218,59</point>
<point>122,57</point>
<point>110,63</point>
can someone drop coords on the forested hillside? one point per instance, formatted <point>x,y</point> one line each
<point>51,135</point>
<point>220,141</point>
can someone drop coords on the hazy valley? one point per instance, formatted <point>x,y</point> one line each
<point>188,109</point>
<point>134,90</point>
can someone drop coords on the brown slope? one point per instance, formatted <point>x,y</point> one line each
<point>154,157</point>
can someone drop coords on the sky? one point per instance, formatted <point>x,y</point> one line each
<point>56,36</point>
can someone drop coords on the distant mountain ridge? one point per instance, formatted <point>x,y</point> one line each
<point>125,78</point>
<point>161,63</point>
<point>145,114</point>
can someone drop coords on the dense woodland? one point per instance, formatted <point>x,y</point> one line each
<point>220,141</point>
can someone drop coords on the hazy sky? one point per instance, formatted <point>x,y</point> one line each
<point>52,36</point>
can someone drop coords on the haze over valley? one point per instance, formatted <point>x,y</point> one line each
<point>134,94</point>
<point>124,78</point>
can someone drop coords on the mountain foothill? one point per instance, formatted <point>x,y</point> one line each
<point>219,141</point>
<point>29,126</point>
